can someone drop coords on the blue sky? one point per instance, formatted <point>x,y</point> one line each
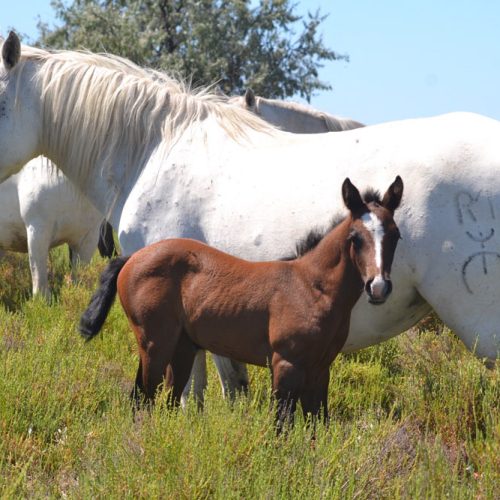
<point>407,58</point>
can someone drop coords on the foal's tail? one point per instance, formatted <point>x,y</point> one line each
<point>97,311</point>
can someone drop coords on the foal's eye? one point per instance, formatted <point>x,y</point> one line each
<point>357,240</point>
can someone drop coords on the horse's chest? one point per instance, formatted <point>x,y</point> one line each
<point>311,333</point>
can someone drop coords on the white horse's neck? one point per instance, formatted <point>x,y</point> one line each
<point>102,119</point>
<point>87,136</point>
<point>20,120</point>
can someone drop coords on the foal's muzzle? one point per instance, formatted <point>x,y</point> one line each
<point>378,289</point>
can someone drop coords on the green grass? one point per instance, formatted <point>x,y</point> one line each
<point>415,417</point>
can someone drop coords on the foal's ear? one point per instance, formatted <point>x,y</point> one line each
<point>11,50</point>
<point>249,98</point>
<point>392,198</point>
<point>352,198</point>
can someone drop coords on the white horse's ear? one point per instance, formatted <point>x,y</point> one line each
<point>218,91</point>
<point>352,198</point>
<point>11,50</point>
<point>249,98</point>
<point>392,198</point>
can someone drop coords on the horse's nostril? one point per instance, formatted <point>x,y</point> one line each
<point>378,289</point>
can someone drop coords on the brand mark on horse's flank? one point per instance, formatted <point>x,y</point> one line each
<point>468,206</point>
<point>465,206</point>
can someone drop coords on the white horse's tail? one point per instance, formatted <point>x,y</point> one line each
<point>97,311</point>
<point>106,243</point>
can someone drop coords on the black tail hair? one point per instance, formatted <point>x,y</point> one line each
<point>106,243</point>
<point>97,311</point>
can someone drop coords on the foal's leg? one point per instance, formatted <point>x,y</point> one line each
<point>38,253</point>
<point>314,397</point>
<point>180,368</point>
<point>288,382</point>
<point>157,344</point>
<point>137,393</point>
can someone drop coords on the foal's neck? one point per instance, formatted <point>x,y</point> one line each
<point>330,261</point>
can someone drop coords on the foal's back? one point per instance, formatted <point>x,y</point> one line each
<point>212,295</point>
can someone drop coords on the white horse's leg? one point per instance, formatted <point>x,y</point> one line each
<point>459,271</point>
<point>38,253</point>
<point>472,314</point>
<point>473,317</point>
<point>82,252</point>
<point>197,380</point>
<point>233,376</point>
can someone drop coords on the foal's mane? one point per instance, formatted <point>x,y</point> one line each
<point>372,196</point>
<point>119,107</point>
<point>333,123</point>
<point>315,235</point>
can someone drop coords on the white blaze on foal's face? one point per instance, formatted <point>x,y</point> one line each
<point>375,227</point>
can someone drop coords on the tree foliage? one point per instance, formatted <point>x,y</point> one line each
<point>237,43</point>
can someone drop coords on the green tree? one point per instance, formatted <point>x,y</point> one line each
<point>233,42</point>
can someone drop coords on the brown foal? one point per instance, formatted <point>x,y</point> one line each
<point>180,295</point>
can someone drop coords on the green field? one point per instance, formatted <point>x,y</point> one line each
<point>415,417</point>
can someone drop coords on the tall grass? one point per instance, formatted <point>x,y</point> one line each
<point>415,417</point>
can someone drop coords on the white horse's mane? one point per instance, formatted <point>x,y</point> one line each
<point>118,106</point>
<point>333,123</point>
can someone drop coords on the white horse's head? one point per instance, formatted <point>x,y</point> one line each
<point>19,109</point>
<point>292,116</point>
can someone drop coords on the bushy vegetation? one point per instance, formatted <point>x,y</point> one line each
<point>415,417</point>
<point>262,44</point>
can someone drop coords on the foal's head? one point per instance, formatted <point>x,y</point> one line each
<point>373,237</point>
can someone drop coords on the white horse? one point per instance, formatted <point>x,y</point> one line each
<point>292,116</point>
<point>40,210</point>
<point>163,161</point>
